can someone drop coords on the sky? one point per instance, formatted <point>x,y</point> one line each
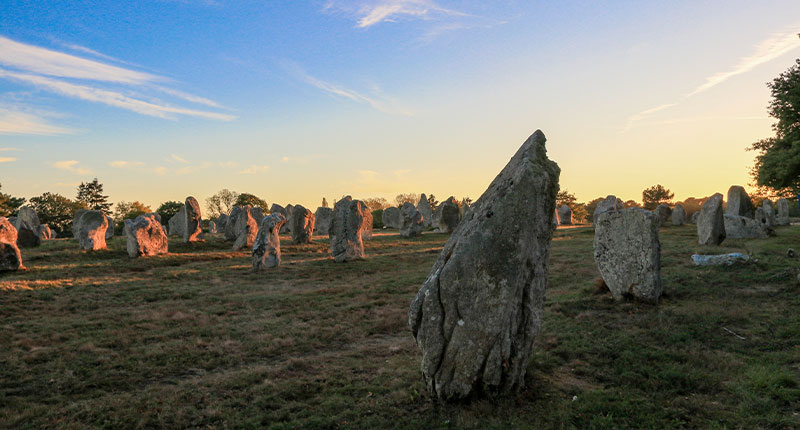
<point>294,101</point>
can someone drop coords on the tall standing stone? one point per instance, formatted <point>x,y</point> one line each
<point>768,214</point>
<point>10,255</point>
<point>177,224</point>
<point>302,225</point>
<point>564,215</point>
<point>628,253</point>
<point>478,312</point>
<point>739,203</point>
<point>346,230</point>
<point>110,229</point>
<point>230,225</point>
<point>193,222</point>
<point>663,212</point>
<point>276,208</point>
<point>212,227</point>
<point>145,237</point>
<point>322,220</point>
<point>258,214</point>
<point>411,221</point>
<point>610,203</point>
<point>782,209</point>
<point>391,218</point>
<point>244,228</point>
<point>27,225</point>
<point>267,246</point>
<point>289,212</point>
<point>92,228</point>
<point>695,216</point>
<point>366,231</point>
<point>424,208</point>
<point>711,223</point>
<point>222,220</point>
<point>678,215</point>
<point>450,215</point>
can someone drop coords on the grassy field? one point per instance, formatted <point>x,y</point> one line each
<point>195,339</point>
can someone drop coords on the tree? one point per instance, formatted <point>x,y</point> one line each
<point>656,195</point>
<point>126,210</point>
<point>9,205</point>
<point>221,203</point>
<point>167,210</point>
<point>433,202</point>
<point>376,203</point>
<point>777,165</point>
<point>245,199</point>
<point>565,198</point>
<point>91,195</point>
<point>56,211</point>
<point>412,198</point>
<point>631,204</point>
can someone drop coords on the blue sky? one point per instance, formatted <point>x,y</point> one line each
<point>295,101</point>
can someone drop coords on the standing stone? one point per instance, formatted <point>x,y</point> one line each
<point>212,227</point>
<point>437,218</point>
<point>739,203</point>
<point>110,229</point>
<point>555,219</point>
<point>245,228</point>
<point>678,215</point>
<point>424,207</point>
<point>322,220</point>
<point>177,224</point>
<point>628,253</point>
<point>450,215</point>
<point>145,237</point>
<point>92,228</point>
<point>10,255</point>
<point>695,216</point>
<point>44,232</point>
<point>464,209</point>
<point>276,208</point>
<point>710,222</point>
<point>782,216</point>
<point>27,225</point>
<point>412,222</point>
<point>222,220</point>
<point>346,235</point>
<point>302,225</point>
<point>194,221</point>
<point>391,218</point>
<point>742,227</point>
<point>564,215</point>
<point>267,246</point>
<point>76,222</point>
<point>478,312</point>
<point>663,212</point>
<point>610,203</point>
<point>289,210</point>
<point>258,214</point>
<point>230,226</point>
<point>768,214</point>
<point>366,231</point>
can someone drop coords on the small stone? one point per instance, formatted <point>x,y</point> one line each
<point>412,221</point>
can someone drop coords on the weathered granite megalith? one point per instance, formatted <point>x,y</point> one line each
<point>710,222</point>
<point>412,222</point>
<point>478,312</point>
<point>193,223</point>
<point>44,231</point>
<point>695,216</point>
<point>212,227</point>
<point>302,225</point>
<point>366,231</point>
<point>110,229</point>
<point>267,246</point>
<point>222,220</point>
<point>742,227</point>
<point>322,221</point>
<point>177,224</point>
<point>258,214</point>
<point>678,215</point>
<point>451,215</point>
<point>145,237</point>
<point>663,212</point>
<point>391,218</point>
<point>610,203</point>
<point>739,203</point>
<point>782,209</point>
<point>91,233</point>
<point>424,208</point>
<point>628,254</point>
<point>27,225</point>
<point>768,218</point>
<point>244,228</point>
<point>564,215</point>
<point>10,255</point>
<point>276,208</point>
<point>289,211</point>
<point>230,231</point>
<point>346,230</point>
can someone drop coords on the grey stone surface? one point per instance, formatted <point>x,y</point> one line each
<point>244,228</point>
<point>10,257</point>
<point>451,215</point>
<point>720,260</point>
<point>424,208</point>
<point>145,237</point>
<point>628,254</point>
<point>27,225</point>
<point>366,231</point>
<point>555,219</point>
<point>663,213</point>
<point>678,215</point>
<point>276,208</point>
<point>177,224</point>
<point>302,225</point>
<point>44,232</point>
<point>322,221</point>
<point>564,215</point>
<point>346,230</point>
<point>767,218</point>
<point>710,222</point>
<point>695,216</point>
<point>437,217</point>
<point>610,203</point>
<point>258,214</point>
<point>110,229</point>
<point>412,222</point>
<point>478,312</point>
<point>212,227</point>
<point>230,225</point>
<point>391,218</point>
<point>782,212</point>
<point>8,233</point>
<point>91,233</point>
<point>739,203</point>
<point>222,220</point>
<point>267,246</point>
<point>193,224</point>
<point>289,211</point>
<point>742,227</point>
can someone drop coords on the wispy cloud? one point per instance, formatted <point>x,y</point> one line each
<point>178,158</point>
<point>100,82</point>
<point>25,123</point>
<point>121,164</point>
<point>71,166</point>
<point>378,102</point>
<point>767,50</point>
<point>9,149</point>
<point>254,169</point>
<point>7,159</point>
<point>191,169</point>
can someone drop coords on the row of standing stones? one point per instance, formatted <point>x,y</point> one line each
<point>477,314</point>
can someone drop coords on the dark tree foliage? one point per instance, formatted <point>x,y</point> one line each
<point>91,195</point>
<point>56,211</point>
<point>777,165</point>
<point>130,210</point>
<point>167,210</point>
<point>9,205</point>
<point>377,218</point>
<point>565,198</point>
<point>433,202</point>
<point>220,203</point>
<point>252,200</point>
<point>656,195</point>
<point>412,198</point>
<point>376,203</point>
